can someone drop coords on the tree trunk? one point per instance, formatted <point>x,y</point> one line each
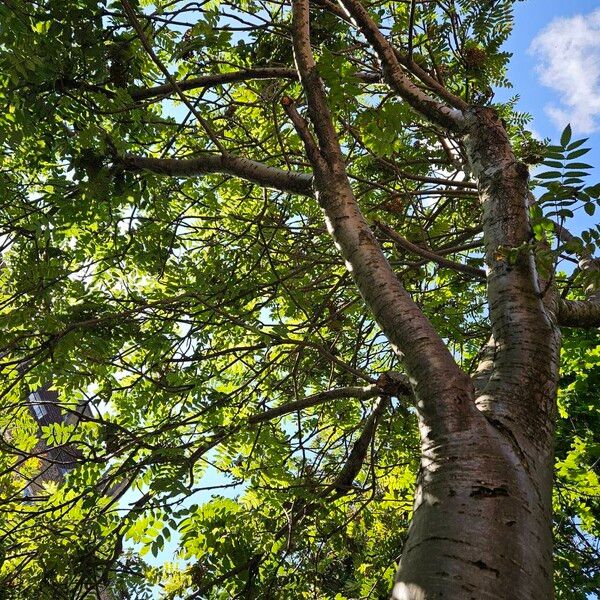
<point>483,506</point>
<point>482,521</point>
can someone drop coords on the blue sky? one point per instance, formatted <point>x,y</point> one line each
<point>557,42</point>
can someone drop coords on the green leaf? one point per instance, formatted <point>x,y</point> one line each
<point>565,213</point>
<point>565,136</point>
<point>555,164</point>
<point>549,175</point>
<point>576,144</point>
<point>578,165</point>
<point>576,174</point>
<point>577,153</point>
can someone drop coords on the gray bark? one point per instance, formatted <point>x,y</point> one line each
<point>294,182</point>
<point>482,520</point>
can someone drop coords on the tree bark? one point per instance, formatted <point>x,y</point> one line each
<point>483,512</point>
<point>481,523</point>
<point>482,518</point>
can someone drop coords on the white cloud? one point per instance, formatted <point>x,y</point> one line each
<point>534,132</point>
<point>568,53</point>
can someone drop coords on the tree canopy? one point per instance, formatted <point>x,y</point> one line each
<point>239,423</point>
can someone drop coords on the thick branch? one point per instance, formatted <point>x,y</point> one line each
<point>226,164</point>
<point>431,367</point>
<point>435,111</point>
<point>485,366</point>
<point>356,458</point>
<point>360,393</point>
<point>526,339</point>
<point>390,383</point>
<point>435,86</point>
<point>579,313</point>
<point>213,79</point>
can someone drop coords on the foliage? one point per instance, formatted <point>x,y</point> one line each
<point>168,312</point>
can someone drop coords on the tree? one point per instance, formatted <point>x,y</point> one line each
<point>288,271</point>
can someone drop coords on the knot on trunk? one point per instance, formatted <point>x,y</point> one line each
<point>483,491</point>
<point>395,384</point>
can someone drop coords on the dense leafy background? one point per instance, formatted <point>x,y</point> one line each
<point>174,309</point>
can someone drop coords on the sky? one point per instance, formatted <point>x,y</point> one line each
<point>555,68</point>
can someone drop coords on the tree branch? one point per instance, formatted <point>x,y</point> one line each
<point>485,366</point>
<point>360,393</point>
<point>213,79</point>
<point>345,478</point>
<point>432,256</point>
<point>521,316</point>
<point>388,384</point>
<point>578,313</point>
<point>301,127</point>
<point>430,365</point>
<point>451,118</point>
<point>132,17</point>
<point>227,164</point>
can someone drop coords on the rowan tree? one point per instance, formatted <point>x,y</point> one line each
<point>317,330</point>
